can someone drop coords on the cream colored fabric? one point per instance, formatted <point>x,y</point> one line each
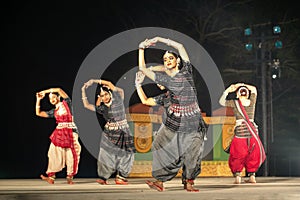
<point>60,157</point>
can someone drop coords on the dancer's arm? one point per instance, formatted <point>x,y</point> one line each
<point>85,101</point>
<point>38,112</point>
<point>233,88</point>
<point>252,88</point>
<point>142,65</point>
<point>60,91</point>
<point>176,45</point>
<point>40,95</point>
<point>139,78</point>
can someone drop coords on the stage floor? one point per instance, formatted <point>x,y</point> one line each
<point>218,188</point>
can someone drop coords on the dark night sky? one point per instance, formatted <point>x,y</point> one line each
<point>45,44</point>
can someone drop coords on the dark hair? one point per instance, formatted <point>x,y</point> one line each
<point>176,56</point>
<point>56,93</point>
<point>98,90</point>
<point>106,89</point>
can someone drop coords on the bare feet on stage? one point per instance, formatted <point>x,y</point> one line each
<point>188,186</point>
<point>238,180</point>
<point>156,185</point>
<point>70,180</point>
<point>102,182</point>
<point>251,179</point>
<point>121,180</point>
<point>50,180</point>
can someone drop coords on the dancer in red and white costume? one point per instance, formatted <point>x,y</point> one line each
<point>246,149</point>
<point>64,148</point>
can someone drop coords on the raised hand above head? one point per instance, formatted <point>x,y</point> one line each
<point>40,95</point>
<point>147,43</point>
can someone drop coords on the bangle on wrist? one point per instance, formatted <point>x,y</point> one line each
<point>138,85</point>
<point>84,98</point>
<point>37,106</point>
<point>100,82</point>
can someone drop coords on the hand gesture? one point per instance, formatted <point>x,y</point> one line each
<point>239,85</point>
<point>234,87</point>
<point>147,43</point>
<point>85,86</point>
<point>139,78</point>
<point>231,88</point>
<point>40,95</point>
<point>155,40</point>
<point>89,83</point>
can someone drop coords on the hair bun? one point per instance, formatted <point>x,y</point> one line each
<point>243,91</point>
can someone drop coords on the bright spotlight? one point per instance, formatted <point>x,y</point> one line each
<point>249,46</point>
<point>276,29</point>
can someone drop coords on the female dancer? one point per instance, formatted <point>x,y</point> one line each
<point>180,140</point>
<point>246,149</point>
<point>117,144</point>
<point>64,149</point>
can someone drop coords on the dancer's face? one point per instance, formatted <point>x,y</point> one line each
<point>53,98</point>
<point>105,96</point>
<point>170,60</point>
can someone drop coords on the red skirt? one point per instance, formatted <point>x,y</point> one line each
<point>62,137</point>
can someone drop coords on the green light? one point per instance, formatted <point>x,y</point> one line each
<point>278,44</point>
<point>247,31</point>
<point>248,46</point>
<point>276,29</point>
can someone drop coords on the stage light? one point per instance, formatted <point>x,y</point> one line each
<point>249,46</point>
<point>275,69</point>
<point>278,44</point>
<point>276,29</point>
<point>247,32</point>
<point>275,72</point>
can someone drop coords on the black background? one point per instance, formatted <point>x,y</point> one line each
<point>45,43</point>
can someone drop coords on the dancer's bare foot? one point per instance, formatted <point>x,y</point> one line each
<point>102,182</point>
<point>70,180</point>
<point>156,185</point>
<point>238,180</point>
<point>251,179</point>
<point>188,185</point>
<point>121,180</point>
<point>50,180</point>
